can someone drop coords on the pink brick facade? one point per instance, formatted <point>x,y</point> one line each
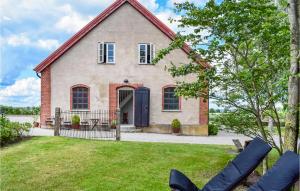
<point>45,95</point>
<point>204,109</point>
<point>113,88</point>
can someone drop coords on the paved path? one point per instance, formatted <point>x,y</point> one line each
<point>221,139</point>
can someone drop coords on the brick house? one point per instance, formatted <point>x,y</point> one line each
<point>107,65</point>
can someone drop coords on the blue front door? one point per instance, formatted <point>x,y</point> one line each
<point>142,107</point>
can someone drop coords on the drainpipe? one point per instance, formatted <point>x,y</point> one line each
<point>38,75</point>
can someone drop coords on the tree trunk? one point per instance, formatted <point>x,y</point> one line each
<point>292,117</point>
<point>271,125</point>
<point>265,165</point>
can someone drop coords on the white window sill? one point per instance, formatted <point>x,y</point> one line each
<point>106,63</point>
<point>171,110</point>
<point>80,110</point>
<point>146,64</point>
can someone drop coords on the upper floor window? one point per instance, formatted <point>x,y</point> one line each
<point>80,97</point>
<point>171,102</point>
<point>146,53</point>
<point>106,52</point>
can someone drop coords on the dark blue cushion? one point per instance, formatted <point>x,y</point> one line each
<point>180,182</point>
<point>281,176</point>
<point>251,156</point>
<point>224,179</point>
<point>240,167</point>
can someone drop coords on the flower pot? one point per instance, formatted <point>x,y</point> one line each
<point>113,126</point>
<point>75,126</point>
<point>176,130</point>
<point>36,124</point>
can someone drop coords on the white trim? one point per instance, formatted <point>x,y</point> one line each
<point>114,52</point>
<point>81,110</point>
<point>100,52</point>
<point>152,52</point>
<point>139,45</point>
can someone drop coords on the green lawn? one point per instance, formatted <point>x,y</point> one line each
<point>56,163</point>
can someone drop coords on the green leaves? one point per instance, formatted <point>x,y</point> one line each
<point>247,42</point>
<point>11,131</point>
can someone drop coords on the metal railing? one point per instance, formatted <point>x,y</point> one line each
<point>98,124</point>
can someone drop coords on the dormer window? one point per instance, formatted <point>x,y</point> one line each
<point>146,53</point>
<point>106,52</point>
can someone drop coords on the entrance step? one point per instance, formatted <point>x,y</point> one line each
<point>130,129</point>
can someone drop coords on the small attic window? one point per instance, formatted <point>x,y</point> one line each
<point>146,53</point>
<point>106,52</point>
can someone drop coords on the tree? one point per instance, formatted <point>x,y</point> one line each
<point>292,117</point>
<point>248,43</point>
<point>212,110</point>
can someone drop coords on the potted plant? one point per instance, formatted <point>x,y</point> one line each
<point>75,122</point>
<point>176,126</point>
<point>113,124</point>
<point>35,121</point>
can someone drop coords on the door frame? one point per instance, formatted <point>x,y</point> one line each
<point>133,101</point>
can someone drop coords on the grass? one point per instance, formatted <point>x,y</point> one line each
<point>57,163</point>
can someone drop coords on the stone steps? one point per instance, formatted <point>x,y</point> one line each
<point>130,129</point>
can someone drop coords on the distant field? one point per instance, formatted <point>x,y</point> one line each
<point>23,118</point>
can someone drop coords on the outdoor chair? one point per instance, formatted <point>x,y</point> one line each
<point>231,176</point>
<point>281,176</point>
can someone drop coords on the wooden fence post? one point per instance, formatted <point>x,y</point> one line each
<point>57,121</point>
<point>118,130</point>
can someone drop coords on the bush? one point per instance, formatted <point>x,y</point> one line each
<point>114,123</point>
<point>213,129</point>
<point>75,120</point>
<point>12,131</point>
<point>176,124</point>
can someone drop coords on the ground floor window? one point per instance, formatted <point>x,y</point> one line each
<point>79,97</point>
<point>171,102</point>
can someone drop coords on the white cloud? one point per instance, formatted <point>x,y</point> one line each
<point>5,18</point>
<point>24,92</point>
<point>99,3</point>
<point>22,9</point>
<point>17,40</point>
<point>48,44</point>
<point>23,40</point>
<point>150,4</point>
<point>72,21</point>
<point>164,17</point>
<point>170,3</point>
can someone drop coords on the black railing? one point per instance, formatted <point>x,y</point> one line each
<point>98,124</point>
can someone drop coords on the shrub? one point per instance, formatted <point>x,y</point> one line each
<point>75,120</point>
<point>12,131</point>
<point>176,124</point>
<point>114,122</point>
<point>213,129</point>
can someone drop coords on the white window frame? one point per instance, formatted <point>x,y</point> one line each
<point>152,53</point>
<point>100,52</point>
<point>142,44</point>
<point>114,52</point>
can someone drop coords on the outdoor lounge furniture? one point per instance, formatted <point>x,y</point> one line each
<point>238,169</point>
<point>238,145</point>
<point>281,176</point>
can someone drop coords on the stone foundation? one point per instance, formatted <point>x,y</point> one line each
<point>201,130</point>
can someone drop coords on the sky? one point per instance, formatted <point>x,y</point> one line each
<point>32,29</point>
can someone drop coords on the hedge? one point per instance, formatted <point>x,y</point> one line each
<point>12,131</point>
